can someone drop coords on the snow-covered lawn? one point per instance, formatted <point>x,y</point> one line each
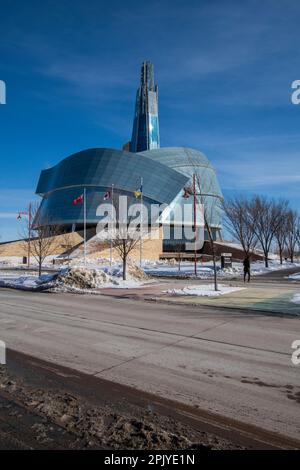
<point>205,270</point>
<point>206,290</point>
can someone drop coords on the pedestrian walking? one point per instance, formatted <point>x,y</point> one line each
<point>246,264</point>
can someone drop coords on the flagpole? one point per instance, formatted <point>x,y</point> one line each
<point>195,225</point>
<point>29,235</point>
<point>84,223</point>
<point>111,234</point>
<point>141,237</point>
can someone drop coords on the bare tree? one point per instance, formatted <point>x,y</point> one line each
<point>43,239</point>
<point>124,242</point>
<point>265,216</point>
<point>209,204</point>
<point>293,231</point>
<point>122,233</point>
<point>238,223</point>
<point>282,230</point>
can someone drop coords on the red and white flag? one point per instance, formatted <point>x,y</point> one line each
<point>78,200</point>
<point>107,196</point>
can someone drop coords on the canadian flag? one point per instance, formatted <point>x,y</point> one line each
<point>78,200</point>
<point>106,196</point>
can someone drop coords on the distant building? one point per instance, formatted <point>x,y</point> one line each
<point>145,133</point>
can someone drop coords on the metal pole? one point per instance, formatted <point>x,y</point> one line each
<point>111,234</point>
<point>29,235</point>
<point>141,227</point>
<point>195,225</point>
<point>84,223</point>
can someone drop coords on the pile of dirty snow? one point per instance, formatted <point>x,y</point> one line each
<point>133,272</point>
<point>84,278</point>
<point>87,279</point>
<point>78,279</point>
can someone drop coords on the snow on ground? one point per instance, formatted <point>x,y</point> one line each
<point>296,299</point>
<point>13,279</point>
<point>76,279</point>
<point>206,290</point>
<point>98,273</point>
<point>205,270</point>
<point>295,276</point>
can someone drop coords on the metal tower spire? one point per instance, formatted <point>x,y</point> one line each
<point>145,133</point>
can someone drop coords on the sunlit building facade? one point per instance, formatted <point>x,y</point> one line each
<point>165,173</point>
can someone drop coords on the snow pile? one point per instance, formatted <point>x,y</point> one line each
<point>83,278</point>
<point>133,273</point>
<point>206,290</point>
<point>76,279</point>
<point>295,276</point>
<point>87,279</point>
<point>296,299</point>
<point>25,282</point>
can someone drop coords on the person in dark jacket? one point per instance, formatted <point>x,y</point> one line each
<point>246,264</point>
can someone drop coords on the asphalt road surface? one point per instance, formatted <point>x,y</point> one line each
<point>232,363</point>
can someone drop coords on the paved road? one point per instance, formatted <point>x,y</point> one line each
<point>234,363</point>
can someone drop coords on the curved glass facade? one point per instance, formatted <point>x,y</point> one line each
<point>96,170</point>
<point>165,172</point>
<point>188,161</point>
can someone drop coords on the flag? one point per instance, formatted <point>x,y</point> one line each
<point>138,193</point>
<point>107,196</point>
<point>78,200</point>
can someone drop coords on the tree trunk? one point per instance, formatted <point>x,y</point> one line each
<point>266,260</point>
<point>124,269</point>
<point>215,273</point>
<point>214,264</point>
<point>40,268</point>
<point>280,254</point>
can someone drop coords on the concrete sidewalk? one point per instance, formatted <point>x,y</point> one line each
<point>269,299</point>
<point>261,296</point>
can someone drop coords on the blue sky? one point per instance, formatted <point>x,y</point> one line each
<point>224,70</point>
